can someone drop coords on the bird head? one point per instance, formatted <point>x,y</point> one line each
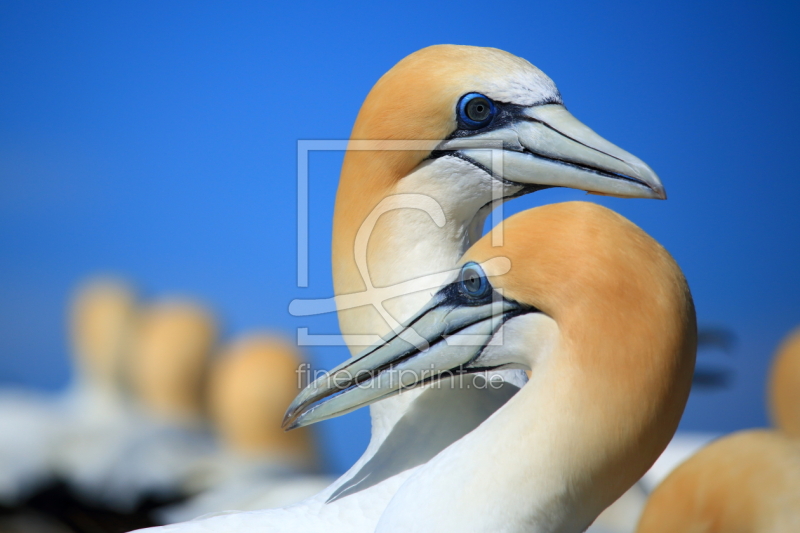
<point>493,110</point>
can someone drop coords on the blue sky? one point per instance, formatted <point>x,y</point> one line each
<point>158,141</point>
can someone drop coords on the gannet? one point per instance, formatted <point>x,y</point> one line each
<point>174,342</point>
<point>250,384</point>
<point>601,315</point>
<point>747,482</point>
<point>260,466</point>
<point>783,387</point>
<point>402,215</point>
<point>160,451</point>
<point>38,432</point>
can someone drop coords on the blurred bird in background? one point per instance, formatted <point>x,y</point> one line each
<point>156,456</point>
<point>259,465</point>
<point>151,419</point>
<point>39,434</point>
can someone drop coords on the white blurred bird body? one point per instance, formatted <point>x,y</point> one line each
<point>139,458</point>
<point>28,425</point>
<point>242,484</point>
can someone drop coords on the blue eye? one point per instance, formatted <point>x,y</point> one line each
<point>475,111</point>
<point>473,281</point>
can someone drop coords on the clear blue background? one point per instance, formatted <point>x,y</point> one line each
<point>158,140</point>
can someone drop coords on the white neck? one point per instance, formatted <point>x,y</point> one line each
<point>531,467</point>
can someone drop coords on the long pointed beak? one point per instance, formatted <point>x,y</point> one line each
<point>548,146</point>
<point>438,342</point>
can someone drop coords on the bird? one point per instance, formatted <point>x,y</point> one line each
<point>602,316</point>
<point>748,482</point>
<point>160,454</point>
<point>174,342</point>
<point>102,323</point>
<point>37,432</point>
<point>250,383</point>
<point>783,387</point>
<point>446,135</point>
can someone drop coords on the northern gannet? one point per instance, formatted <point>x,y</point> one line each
<point>410,207</point>
<point>249,383</point>
<point>159,451</point>
<point>601,315</point>
<point>175,339</point>
<point>747,482</point>
<point>259,466</point>
<point>38,433</point>
<point>783,387</point>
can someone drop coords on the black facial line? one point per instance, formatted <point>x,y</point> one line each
<point>455,153</point>
<point>450,297</point>
<point>413,321</point>
<point>323,395</point>
<point>465,369</point>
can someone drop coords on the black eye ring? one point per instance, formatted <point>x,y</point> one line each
<point>472,281</point>
<point>475,111</point>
